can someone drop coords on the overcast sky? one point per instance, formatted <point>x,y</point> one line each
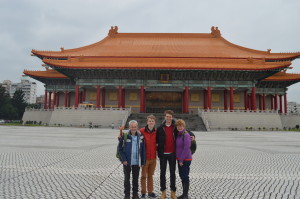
<point>51,24</point>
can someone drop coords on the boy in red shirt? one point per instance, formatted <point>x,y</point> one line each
<point>149,133</point>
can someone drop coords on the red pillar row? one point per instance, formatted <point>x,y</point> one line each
<point>186,100</point>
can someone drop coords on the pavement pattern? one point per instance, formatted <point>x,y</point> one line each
<point>53,162</point>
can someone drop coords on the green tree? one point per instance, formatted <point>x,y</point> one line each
<point>19,103</point>
<point>5,105</point>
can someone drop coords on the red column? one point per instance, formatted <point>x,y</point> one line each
<point>264,102</point>
<point>98,97</point>
<point>142,99</point>
<point>76,96</point>
<point>205,99</point>
<point>209,97</point>
<point>49,101</point>
<point>276,102</point>
<point>45,100</point>
<point>186,100</point>
<point>66,99</point>
<point>285,103</point>
<point>225,100</point>
<point>253,98</point>
<point>231,99</point>
<point>120,97</point>
<point>57,99</point>
<point>103,98</point>
<point>280,103</point>
<point>123,97</point>
<point>246,100</point>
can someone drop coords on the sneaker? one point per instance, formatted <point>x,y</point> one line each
<point>152,195</point>
<point>143,196</point>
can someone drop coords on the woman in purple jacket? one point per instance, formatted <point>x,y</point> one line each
<point>183,156</point>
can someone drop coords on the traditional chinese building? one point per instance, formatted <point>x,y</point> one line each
<point>152,72</point>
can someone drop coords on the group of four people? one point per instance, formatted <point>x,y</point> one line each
<point>170,142</point>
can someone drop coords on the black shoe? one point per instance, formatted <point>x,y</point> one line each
<point>135,196</point>
<point>152,195</point>
<point>126,197</point>
<point>143,196</point>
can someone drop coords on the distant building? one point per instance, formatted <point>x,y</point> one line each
<point>293,107</point>
<point>28,87</point>
<point>40,99</point>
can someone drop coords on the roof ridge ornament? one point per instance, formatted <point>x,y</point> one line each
<point>113,31</point>
<point>269,50</point>
<point>215,32</point>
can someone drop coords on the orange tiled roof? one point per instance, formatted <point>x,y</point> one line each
<point>165,63</point>
<point>45,74</point>
<point>205,45</point>
<point>283,76</point>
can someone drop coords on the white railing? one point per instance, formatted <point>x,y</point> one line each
<point>81,108</point>
<point>239,111</point>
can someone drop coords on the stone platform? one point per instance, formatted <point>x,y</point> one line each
<point>52,162</point>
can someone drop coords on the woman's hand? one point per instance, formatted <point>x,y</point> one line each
<point>125,163</point>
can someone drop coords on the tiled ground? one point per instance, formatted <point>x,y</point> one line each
<point>46,162</point>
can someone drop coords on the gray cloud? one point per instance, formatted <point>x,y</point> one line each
<point>49,25</point>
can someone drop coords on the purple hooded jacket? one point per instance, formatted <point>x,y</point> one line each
<point>183,152</point>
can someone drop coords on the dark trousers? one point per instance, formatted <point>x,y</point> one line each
<point>184,172</point>
<point>135,179</point>
<point>171,158</point>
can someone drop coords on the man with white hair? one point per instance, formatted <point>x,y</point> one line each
<point>132,155</point>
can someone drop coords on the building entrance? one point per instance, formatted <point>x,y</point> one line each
<point>158,102</point>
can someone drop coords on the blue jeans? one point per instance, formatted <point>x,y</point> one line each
<point>184,171</point>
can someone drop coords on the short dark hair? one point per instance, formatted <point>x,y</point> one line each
<point>170,112</point>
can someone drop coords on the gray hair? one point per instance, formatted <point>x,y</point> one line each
<point>132,121</point>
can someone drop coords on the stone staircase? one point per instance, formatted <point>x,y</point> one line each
<point>193,122</point>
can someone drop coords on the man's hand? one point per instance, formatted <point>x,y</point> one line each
<point>181,164</point>
<point>192,138</point>
<point>125,163</point>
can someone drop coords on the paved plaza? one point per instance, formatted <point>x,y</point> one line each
<point>52,162</point>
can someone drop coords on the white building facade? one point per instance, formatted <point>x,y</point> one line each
<point>28,87</point>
